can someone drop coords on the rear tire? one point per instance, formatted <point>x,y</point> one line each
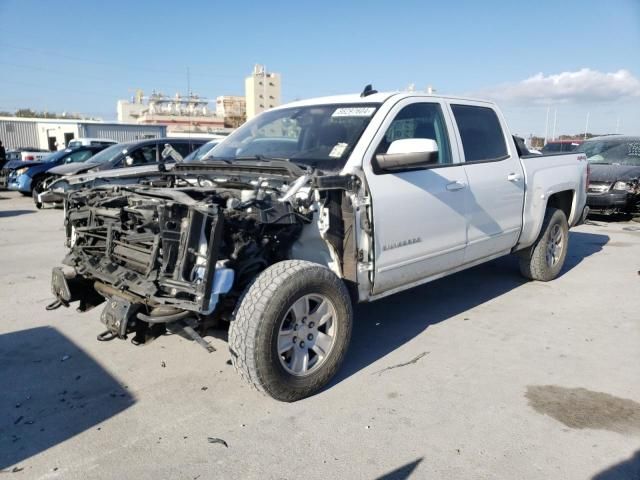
<point>291,330</point>
<point>544,260</point>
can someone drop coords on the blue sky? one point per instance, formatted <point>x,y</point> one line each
<point>81,56</point>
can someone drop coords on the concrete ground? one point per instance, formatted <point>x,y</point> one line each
<point>479,375</point>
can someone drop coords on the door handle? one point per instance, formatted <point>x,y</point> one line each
<point>454,186</point>
<point>514,177</point>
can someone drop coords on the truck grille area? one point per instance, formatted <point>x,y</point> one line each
<point>163,252</point>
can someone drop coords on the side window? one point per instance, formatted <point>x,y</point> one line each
<point>182,148</point>
<point>144,155</point>
<point>419,120</point>
<point>480,132</point>
<point>80,156</point>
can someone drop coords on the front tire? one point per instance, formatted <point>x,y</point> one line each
<point>545,258</point>
<point>291,330</point>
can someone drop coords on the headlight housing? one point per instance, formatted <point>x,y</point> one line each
<point>625,186</point>
<point>21,171</point>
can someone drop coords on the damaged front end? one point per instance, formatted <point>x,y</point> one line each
<point>167,256</point>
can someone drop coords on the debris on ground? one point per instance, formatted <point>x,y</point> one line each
<point>18,420</point>
<point>410,362</point>
<point>65,358</point>
<point>204,388</point>
<point>218,440</point>
<point>163,364</point>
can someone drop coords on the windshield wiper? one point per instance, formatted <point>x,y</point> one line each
<point>261,158</point>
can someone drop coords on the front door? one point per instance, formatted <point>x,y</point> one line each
<point>419,216</point>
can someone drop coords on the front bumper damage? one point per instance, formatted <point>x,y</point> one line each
<point>153,262</point>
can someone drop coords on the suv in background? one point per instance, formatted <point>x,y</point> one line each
<point>560,146</point>
<point>90,142</point>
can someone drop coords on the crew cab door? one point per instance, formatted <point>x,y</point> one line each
<point>419,216</point>
<point>496,180</point>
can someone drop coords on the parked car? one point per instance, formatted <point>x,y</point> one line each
<point>560,146</point>
<point>614,182</point>
<point>28,177</point>
<point>198,154</point>
<point>306,207</point>
<point>26,154</point>
<point>143,153</point>
<point>90,142</point>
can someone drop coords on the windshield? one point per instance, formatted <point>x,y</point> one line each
<point>615,152</point>
<point>107,154</point>
<point>319,136</point>
<point>55,156</point>
<point>200,152</point>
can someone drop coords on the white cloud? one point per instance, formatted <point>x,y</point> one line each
<point>583,86</point>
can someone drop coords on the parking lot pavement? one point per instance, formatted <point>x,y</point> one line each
<point>479,375</point>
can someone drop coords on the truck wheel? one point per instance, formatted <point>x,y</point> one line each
<point>545,258</point>
<point>291,329</point>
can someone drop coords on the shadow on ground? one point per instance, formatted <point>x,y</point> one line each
<point>14,213</point>
<point>51,391</point>
<point>383,326</point>
<point>403,472</point>
<point>627,470</point>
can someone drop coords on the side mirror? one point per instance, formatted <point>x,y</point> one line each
<point>407,154</point>
<point>128,161</point>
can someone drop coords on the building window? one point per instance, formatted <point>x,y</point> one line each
<point>259,83</point>
<point>261,106</point>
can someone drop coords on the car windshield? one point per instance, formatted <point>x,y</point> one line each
<point>53,157</point>
<point>616,152</point>
<point>199,153</point>
<point>321,136</point>
<point>107,154</point>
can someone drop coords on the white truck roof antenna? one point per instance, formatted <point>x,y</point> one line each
<point>368,90</point>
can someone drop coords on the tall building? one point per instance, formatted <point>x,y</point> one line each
<point>262,91</point>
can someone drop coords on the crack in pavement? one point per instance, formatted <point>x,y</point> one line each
<point>410,362</point>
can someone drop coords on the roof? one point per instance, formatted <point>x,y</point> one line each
<point>615,137</point>
<point>75,121</point>
<point>380,97</point>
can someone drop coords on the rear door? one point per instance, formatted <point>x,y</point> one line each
<point>496,180</point>
<point>419,216</point>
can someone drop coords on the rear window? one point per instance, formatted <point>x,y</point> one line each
<point>480,132</point>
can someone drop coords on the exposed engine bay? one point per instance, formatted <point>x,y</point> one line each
<point>186,245</point>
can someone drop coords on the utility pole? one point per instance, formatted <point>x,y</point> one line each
<point>618,124</point>
<point>586,127</point>
<point>546,126</point>
<point>555,121</point>
<point>189,100</point>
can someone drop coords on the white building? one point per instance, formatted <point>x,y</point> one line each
<point>181,114</point>
<point>262,91</point>
<point>55,133</point>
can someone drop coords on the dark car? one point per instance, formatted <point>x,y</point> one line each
<point>142,152</point>
<point>614,183</point>
<point>560,146</point>
<point>27,176</point>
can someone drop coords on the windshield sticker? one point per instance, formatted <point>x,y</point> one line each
<point>354,112</point>
<point>338,150</point>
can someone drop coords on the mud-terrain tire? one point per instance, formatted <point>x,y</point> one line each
<point>282,302</point>
<point>545,258</point>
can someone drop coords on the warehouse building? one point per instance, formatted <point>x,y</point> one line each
<point>54,134</point>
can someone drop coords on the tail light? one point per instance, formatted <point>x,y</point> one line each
<point>29,157</point>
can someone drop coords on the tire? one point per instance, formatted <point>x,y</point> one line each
<point>26,194</point>
<point>271,314</point>
<point>35,190</point>
<point>544,260</point>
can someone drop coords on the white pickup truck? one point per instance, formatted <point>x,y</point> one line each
<point>307,208</point>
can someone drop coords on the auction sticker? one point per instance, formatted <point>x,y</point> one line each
<point>354,112</point>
